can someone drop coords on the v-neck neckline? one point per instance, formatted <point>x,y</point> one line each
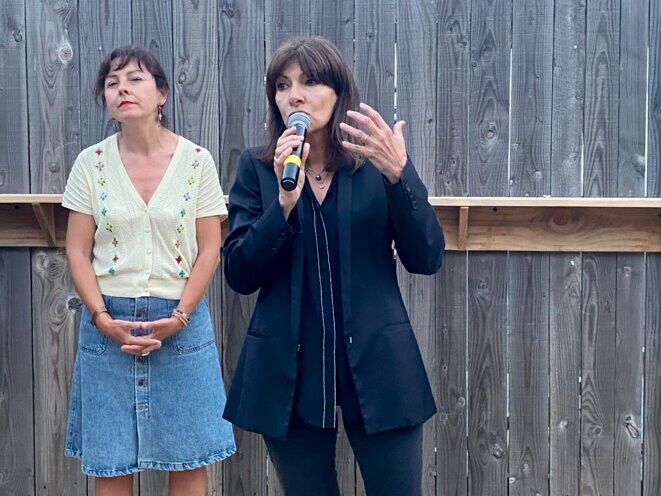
<point>164,178</point>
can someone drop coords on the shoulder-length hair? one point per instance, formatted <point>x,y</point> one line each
<point>118,59</point>
<point>320,60</point>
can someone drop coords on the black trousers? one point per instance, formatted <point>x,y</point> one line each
<point>390,461</point>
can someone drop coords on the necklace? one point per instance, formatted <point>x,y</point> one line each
<point>319,179</point>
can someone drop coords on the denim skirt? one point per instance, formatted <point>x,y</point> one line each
<point>162,411</point>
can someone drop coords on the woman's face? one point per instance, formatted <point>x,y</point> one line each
<point>298,92</point>
<point>131,93</point>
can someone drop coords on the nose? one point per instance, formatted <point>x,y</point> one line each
<point>121,87</point>
<point>296,94</point>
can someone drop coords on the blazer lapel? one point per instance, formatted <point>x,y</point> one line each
<point>296,278</point>
<point>344,234</point>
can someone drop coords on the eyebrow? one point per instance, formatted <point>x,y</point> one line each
<point>113,74</point>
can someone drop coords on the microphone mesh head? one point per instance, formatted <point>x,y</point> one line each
<point>299,119</point>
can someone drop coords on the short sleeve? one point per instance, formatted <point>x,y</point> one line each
<point>78,192</point>
<point>210,200</point>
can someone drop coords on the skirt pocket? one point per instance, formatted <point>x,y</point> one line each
<point>91,340</point>
<point>198,334</point>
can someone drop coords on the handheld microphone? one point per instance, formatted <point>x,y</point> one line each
<point>292,166</point>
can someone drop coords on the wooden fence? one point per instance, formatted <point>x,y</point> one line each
<point>546,366</point>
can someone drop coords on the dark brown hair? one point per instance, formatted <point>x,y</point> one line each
<point>121,57</point>
<point>320,60</point>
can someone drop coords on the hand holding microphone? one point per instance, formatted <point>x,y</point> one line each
<point>292,166</point>
<point>290,155</point>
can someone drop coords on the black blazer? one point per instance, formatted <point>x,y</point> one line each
<point>264,252</point>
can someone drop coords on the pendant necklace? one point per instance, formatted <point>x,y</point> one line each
<point>319,179</point>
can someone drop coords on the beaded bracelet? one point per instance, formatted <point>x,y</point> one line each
<point>98,311</point>
<point>181,315</point>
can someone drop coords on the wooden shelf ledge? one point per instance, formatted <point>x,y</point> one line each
<point>469,223</point>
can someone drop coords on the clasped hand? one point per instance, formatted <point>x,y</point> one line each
<point>120,331</point>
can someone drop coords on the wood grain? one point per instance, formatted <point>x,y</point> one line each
<point>17,458</point>
<point>652,398</point>
<point>598,373</point>
<point>568,97</point>
<point>53,92</point>
<point>565,371</point>
<point>489,103</point>
<point>487,370</point>
<point>56,314</point>
<point>654,103</point>
<point>452,397</point>
<point>528,357</point>
<point>601,98</point>
<point>416,105</point>
<point>102,29</point>
<point>452,79</point>
<point>14,144</point>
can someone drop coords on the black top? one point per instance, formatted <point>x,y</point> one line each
<point>324,379</point>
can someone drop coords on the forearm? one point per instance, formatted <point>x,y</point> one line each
<point>199,279</point>
<point>84,280</point>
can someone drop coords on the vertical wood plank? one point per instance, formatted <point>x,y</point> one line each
<point>14,171</point>
<point>452,79</point>
<point>632,118</point>
<point>652,404</point>
<point>195,35</point>
<point>151,27</point>
<point>598,373</point>
<point>532,58</point>
<point>335,21</point>
<point>487,400</point>
<point>654,102</point>
<point>568,97</point>
<point>53,92</point>
<point>487,282</point>
<point>528,301</point>
<point>630,310</point>
<point>601,98</point>
<point>244,473</point>
<point>241,66</point>
<point>16,394</point>
<point>652,370</point>
<point>416,104</point>
<point>103,28</point>
<point>489,97</point>
<point>56,314</point>
<point>450,349</point>
<point>242,111</point>
<point>374,54</point>
<point>528,309</point>
<point>285,19</point>
<point>629,366</point>
<point>566,268</point>
<point>565,369</point>
<point>215,483</point>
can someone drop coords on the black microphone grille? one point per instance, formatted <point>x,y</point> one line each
<point>299,118</point>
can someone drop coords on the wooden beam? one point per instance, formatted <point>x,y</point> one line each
<point>494,224</point>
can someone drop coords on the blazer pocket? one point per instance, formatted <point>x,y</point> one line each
<point>256,333</point>
<point>400,327</point>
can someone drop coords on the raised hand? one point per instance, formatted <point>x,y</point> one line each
<point>376,141</point>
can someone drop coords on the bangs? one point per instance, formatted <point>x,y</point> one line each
<point>313,63</point>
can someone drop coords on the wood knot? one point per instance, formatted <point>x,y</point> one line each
<point>65,54</point>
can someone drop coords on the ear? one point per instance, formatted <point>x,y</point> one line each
<point>164,97</point>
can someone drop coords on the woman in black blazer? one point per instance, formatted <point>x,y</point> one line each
<point>330,328</point>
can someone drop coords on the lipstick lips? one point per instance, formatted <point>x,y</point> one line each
<point>125,103</point>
